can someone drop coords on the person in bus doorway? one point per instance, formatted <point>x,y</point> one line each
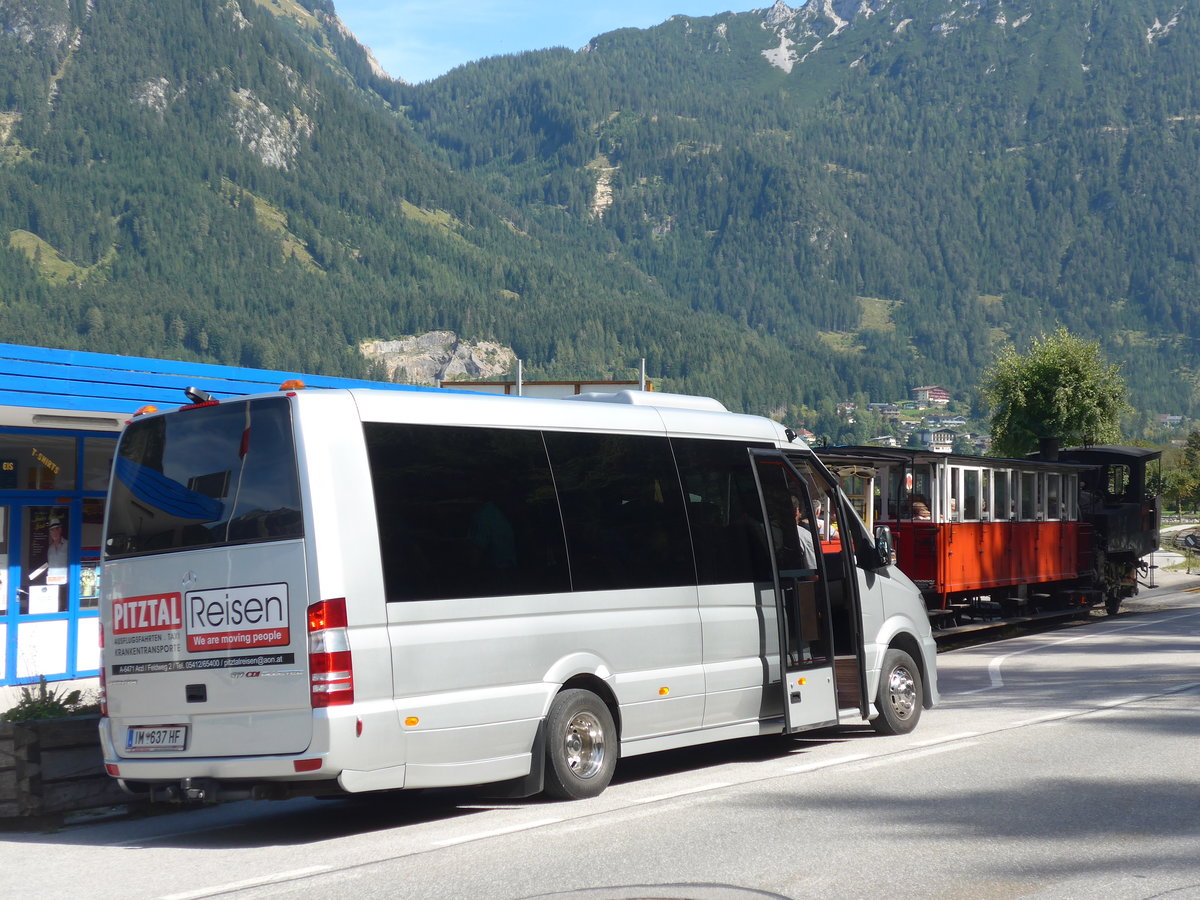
<point>56,553</point>
<point>804,530</point>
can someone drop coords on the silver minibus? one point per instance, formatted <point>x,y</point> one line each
<point>319,591</point>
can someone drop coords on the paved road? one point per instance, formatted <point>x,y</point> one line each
<point>1060,765</point>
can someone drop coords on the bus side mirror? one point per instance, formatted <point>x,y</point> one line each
<point>885,546</point>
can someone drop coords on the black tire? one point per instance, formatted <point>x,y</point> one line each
<point>900,694</point>
<point>581,746</point>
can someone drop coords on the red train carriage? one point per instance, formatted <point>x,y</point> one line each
<point>1015,534</point>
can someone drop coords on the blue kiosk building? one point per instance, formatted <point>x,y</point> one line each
<point>60,414</point>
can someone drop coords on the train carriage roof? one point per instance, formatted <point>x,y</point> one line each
<point>913,455</point>
<point>1109,453</point>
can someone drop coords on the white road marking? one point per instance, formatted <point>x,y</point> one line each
<point>1047,717</point>
<point>812,767</point>
<point>1183,687</point>
<point>916,754</point>
<point>248,883</point>
<point>1109,704</point>
<point>497,832</point>
<point>947,739</point>
<point>696,790</point>
<point>151,838</point>
<point>997,680</point>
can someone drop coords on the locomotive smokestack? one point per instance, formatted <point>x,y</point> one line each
<point>1048,449</point>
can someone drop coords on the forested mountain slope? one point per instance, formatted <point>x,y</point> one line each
<point>979,169</point>
<point>202,179</point>
<point>780,208</point>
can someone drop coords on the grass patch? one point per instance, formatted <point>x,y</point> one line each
<point>1142,339</point>
<point>291,9</point>
<point>50,264</point>
<point>11,151</point>
<point>877,314</point>
<point>273,219</point>
<point>841,341</point>
<point>850,174</point>
<point>438,218</point>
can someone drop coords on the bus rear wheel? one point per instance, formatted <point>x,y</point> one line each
<point>900,693</point>
<point>581,746</point>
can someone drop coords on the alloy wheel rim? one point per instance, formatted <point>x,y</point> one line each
<point>902,692</point>
<point>584,745</point>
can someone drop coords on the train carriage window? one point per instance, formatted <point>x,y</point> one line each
<point>1070,510</point>
<point>919,503</point>
<point>1028,508</point>
<point>897,493</point>
<point>985,494</point>
<point>1053,483</point>
<point>1002,496</point>
<point>970,509</point>
<point>954,490</point>
<point>857,487</point>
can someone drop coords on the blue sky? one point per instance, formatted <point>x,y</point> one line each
<point>421,39</point>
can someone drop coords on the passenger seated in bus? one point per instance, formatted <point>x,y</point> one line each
<point>920,508</point>
<point>491,538</point>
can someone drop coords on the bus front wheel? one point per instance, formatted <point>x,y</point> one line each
<point>581,746</point>
<point>899,699</point>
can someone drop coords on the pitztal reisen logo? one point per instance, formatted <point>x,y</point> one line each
<point>237,618</point>
<point>140,615</point>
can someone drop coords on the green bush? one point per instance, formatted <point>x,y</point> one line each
<point>44,702</point>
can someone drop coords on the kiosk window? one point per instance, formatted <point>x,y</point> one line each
<point>37,462</point>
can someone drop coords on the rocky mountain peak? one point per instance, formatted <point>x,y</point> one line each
<point>439,355</point>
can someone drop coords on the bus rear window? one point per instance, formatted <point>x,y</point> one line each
<point>205,477</point>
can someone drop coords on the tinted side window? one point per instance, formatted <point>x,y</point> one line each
<point>623,511</point>
<point>724,511</point>
<point>464,512</point>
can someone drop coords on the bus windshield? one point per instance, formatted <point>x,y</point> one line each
<point>216,475</point>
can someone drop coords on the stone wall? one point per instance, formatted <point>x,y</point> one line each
<point>52,767</point>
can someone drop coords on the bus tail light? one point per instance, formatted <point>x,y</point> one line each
<point>331,670</point>
<point>103,683</point>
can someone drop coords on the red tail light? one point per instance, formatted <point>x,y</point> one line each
<point>103,687</point>
<point>331,670</point>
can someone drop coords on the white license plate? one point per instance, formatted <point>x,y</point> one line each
<point>156,737</point>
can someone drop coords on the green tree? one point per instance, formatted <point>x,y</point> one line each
<point>1062,388</point>
<point>1179,485</point>
<point>1181,480</point>
<point>963,445</point>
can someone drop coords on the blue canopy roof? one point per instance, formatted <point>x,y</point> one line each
<point>101,382</point>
